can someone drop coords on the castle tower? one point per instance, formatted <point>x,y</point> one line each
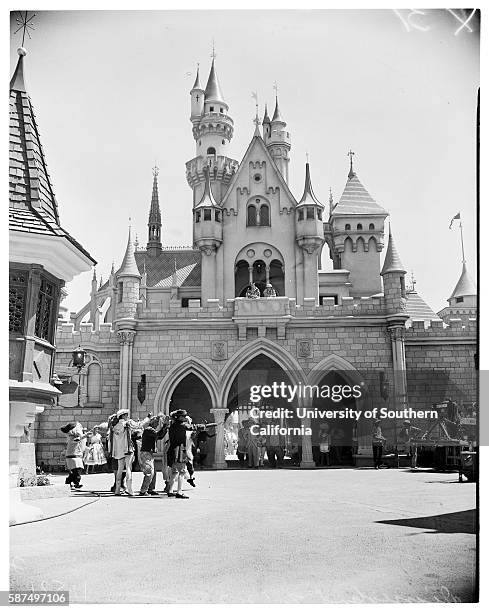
<point>462,303</point>
<point>93,297</point>
<point>154,220</point>
<point>278,142</point>
<point>356,236</point>
<point>128,279</point>
<point>208,237</point>
<point>309,236</point>
<point>393,275</point>
<point>212,129</point>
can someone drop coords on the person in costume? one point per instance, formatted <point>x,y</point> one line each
<point>94,452</point>
<point>122,448</point>
<point>156,430</point>
<point>74,453</point>
<point>177,452</point>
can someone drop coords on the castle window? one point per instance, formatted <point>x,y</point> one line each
<point>323,297</point>
<point>207,215</point>
<point>221,110</point>
<point>459,300</point>
<point>211,108</point>
<point>211,151</point>
<point>94,389</point>
<point>119,292</point>
<point>223,142</point>
<point>264,215</point>
<point>371,226</point>
<point>320,214</point>
<point>16,301</point>
<point>310,212</point>
<point>218,216</point>
<point>347,227</point>
<point>197,216</point>
<point>257,178</point>
<point>251,215</point>
<point>45,311</point>
<point>301,214</point>
<point>359,226</point>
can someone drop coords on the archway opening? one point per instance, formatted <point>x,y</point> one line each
<point>278,447</point>
<point>192,395</point>
<point>339,435</point>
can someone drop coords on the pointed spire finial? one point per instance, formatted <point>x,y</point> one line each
<point>129,266</point>
<point>112,269</point>
<point>350,154</point>
<point>156,170</point>
<point>100,284</point>
<point>392,261</point>
<point>213,54</point>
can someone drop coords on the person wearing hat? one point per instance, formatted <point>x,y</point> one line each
<point>122,447</point>
<point>177,452</point>
<point>156,430</point>
<point>377,443</point>
<point>74,452</point>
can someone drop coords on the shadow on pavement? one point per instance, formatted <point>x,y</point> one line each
<point>453,522</point>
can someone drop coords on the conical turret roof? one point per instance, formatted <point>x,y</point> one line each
<point>266,118</point>
<point>129,266</point>
<point>213,91</point>
<point>392,261</point>
<point>355,199</point>
<point>32,204</point>
<point>308,196</point>
<point>465,285</point>
<point>197,84</point>
<point>207,198</point>
<point>277,117</point>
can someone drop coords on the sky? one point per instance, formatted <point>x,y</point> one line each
<point>110,90</point>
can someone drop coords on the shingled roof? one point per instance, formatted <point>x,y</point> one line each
<point>160,268</point>
<point>417,308</point>
<point>32,203</point>
<point>356,200</point>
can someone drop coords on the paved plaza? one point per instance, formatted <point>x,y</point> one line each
<point>273,536</point>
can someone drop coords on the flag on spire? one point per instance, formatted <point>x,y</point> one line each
<point>457,216</point>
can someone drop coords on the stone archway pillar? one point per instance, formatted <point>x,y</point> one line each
<point>219,453</point>
<point>307,461</point>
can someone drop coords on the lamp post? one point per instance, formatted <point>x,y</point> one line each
<point>78,360</point>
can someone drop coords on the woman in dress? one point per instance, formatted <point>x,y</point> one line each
<point>94,454</point>
<point>74,452</point>
<point>122,448</point>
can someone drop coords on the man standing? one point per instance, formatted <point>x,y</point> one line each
<point>275,448</point>
<point>377,443</point>
<point>177,453</point>
<point>156,430</point>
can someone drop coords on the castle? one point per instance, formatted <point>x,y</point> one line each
<point>248,303</point>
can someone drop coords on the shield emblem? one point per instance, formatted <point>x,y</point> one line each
<point>142,389</point>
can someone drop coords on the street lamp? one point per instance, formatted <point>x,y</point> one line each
<point>78,360</point>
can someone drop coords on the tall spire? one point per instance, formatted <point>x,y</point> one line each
<point>213,91</point>
<point>197,80</point>
<point>308,196</point>
<point>277,117</point>
<point>129,266</point>
<point>465,285</point>
<point>154,219</point>
<point>331,204</point>
<point>392,261</point>
<point>266,118</point>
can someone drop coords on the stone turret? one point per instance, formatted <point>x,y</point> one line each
<point>128,281</point>
<point>278,142</point>
<point>393,275</point>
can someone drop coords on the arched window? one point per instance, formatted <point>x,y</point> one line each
<point>251,215</point>
<point>211,151</point>
<point>371,226</point>
<point>347,226</point>
<point>264,215</point>
<point>94,388</point>
<point>359,226</point>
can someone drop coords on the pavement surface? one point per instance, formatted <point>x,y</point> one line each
<point>269,536</point>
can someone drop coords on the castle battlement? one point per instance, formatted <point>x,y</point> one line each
<point>67,336</point>
<point>436,327</point>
